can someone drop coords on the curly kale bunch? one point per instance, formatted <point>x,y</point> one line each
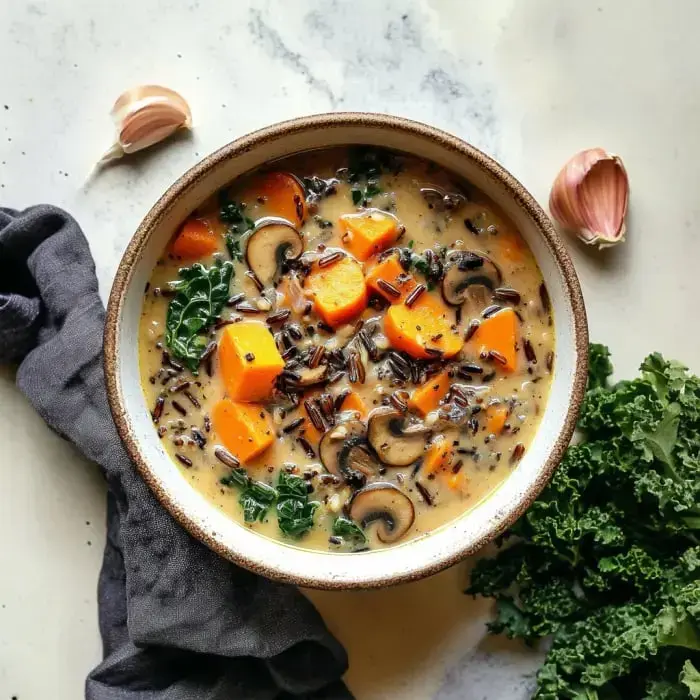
<point>607,560</point>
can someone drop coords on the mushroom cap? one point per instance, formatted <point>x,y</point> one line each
<point>344,452</point>
<point>273,243</point>
<point>388,505</point>
<point>395,441</point>
<point>469,274</point>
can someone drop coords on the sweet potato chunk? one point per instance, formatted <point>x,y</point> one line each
<point>282,195</point>
<point>438,456</point>
<point>195,240</point>
<point>423,331</point>
<point>244,428</point>
<point>368,233</point>
<point>353,402</point>
<point>249,361</point>
<point>427,397</point>
<point>496,417</point>
<point>339,291</point>
<point>498,334</point>
<point>390,271</point>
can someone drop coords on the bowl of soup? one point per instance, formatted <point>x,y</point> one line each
<point>346,350</point>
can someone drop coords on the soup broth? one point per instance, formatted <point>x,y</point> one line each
<point>346,350</point>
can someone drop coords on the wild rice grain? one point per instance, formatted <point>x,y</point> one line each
<point>497,357</point>
<point>180,386</point>
<point>315,415</point>
<point>291,427</point>
<point>413,297</point>
<point>529,351</point>
<point>427,497</point>
<point>317,354</point>
<point>388,288</point>
<point>518,452</point>
<point>306,446</point>
<point>158,409</point>
<point>278,316</point>
<point>184,460</point>
<point>193,399</point>
<point>179,408</point>
<point>235,299</point>
<point>491,310</point>
<point>544,298</point>
<point>330,258</point>
<point>245,307</point>
<point>225,457</point>
<point>507,294</point>
<point>550,361</point>
<point>207,358</point>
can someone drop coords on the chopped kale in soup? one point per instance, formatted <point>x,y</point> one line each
<point>348,350</point>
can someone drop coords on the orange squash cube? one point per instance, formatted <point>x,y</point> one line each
<point>498,333</point>
<point>390,271</point>
<point>245,429</point>
<point>427,397</point>
<point>249,361</point>
<point>438,456</point>
<point>426,326</point>
<point>339,291</point>
<point>368,233</point>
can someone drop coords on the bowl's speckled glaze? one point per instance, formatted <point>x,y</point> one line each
<point>414,559</point>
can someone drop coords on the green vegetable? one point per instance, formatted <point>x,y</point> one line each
<point>256,497</point>
<point>348,530</point>
<point>233,214</point>
<point>201,293</point>
<point>365,166</point>
<point>233,245</point>
<point>607,560</point>
<point>236,477</point>
<point>295,513</point>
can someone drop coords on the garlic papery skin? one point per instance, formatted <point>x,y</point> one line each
<point>144,116</point>
<point>590,197</point>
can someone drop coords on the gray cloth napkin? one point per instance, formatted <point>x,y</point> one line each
<point>177,621</point>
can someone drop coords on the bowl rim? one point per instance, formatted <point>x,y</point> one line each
<point>200,170</point>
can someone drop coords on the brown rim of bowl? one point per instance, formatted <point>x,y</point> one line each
<point>326,121</point>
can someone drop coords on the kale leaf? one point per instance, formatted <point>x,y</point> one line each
<point>365,167</point>
<point>256,497</point>
<point>295,513</point>
<point>201,293</point>
<point>607,560</point>
<point>233,214</point>
<point>348,530</point>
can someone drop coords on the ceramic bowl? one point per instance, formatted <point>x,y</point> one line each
<point>416,558</point>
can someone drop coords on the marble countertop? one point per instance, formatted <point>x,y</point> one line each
<point>530,83</point>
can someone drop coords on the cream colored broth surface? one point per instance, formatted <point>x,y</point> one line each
<point>484,459</point>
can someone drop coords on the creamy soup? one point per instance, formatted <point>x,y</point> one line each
<point>346,350</point>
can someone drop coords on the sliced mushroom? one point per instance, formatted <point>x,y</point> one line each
<point>469,275</point>
<point>344,452</point>
<point>385,503</point>
<point>395,441</point>
<point>272,244</point>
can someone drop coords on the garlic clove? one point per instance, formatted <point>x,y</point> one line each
<point>144,116</point>
<point>590,196</point>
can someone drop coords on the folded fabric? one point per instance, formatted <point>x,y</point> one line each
<point>177,621</point>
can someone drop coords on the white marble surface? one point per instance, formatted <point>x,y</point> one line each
<point>530,82</point>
